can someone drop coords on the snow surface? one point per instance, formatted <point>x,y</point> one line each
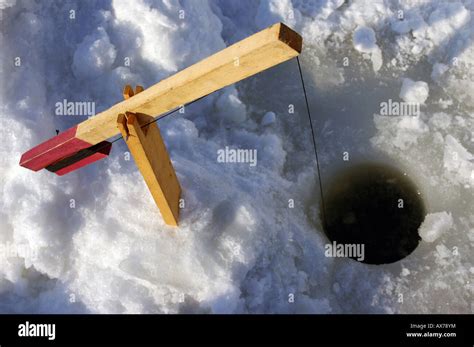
<point>92,241</point>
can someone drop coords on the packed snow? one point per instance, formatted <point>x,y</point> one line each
<point>250,237</point>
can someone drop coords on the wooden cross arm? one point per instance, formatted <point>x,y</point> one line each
<point>245,58</point>
<point>254,54</point>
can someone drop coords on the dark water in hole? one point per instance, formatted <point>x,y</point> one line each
<point>361,207</point>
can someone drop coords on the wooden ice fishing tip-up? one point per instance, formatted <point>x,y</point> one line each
<point>86,142</point>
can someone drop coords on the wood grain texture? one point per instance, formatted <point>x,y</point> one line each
<point>245,58</point>
<point>149,152</point>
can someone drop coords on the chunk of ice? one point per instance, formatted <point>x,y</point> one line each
<point>434,225</point>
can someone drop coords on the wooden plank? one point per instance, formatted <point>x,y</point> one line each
<point>245,58</point>
<point>256,53</point>
<point>59,147</point>
<point>149,152</point>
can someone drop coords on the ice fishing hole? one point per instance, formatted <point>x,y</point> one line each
<point>377,206</point>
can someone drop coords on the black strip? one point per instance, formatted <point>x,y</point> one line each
<point>82,154</point>
<point>173,111</point>
<point>259,329</point>
<point>314,143</point>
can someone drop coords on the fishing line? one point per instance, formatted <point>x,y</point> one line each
<point>314,141</point>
